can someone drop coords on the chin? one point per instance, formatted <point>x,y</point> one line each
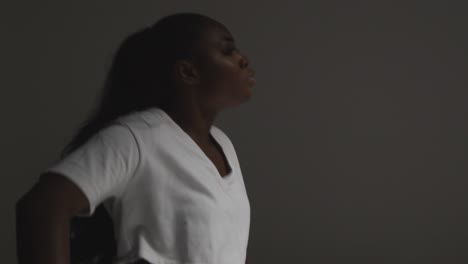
<point>248,94</point>
<point>239,101</point>
<point>245,98</point>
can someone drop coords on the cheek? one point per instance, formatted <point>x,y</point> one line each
<point>222,80</point>
<point>222,77</point>
<point>222,68</point>
<point>228,75</point>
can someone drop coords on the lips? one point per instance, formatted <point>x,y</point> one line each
<point>252,79</point>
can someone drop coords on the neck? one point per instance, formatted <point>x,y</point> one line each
<point>193,119</point>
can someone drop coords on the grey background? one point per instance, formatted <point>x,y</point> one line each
<point>353,145</point>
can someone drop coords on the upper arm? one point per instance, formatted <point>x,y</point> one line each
<point>55,192</point>
<point>94,172</point>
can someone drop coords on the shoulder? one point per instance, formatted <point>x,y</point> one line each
<point>143,122</point>
<point>119,138</point>
<point>116,133</point>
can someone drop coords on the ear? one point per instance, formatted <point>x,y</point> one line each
<point>185,72</point>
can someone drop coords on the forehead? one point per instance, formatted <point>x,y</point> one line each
<point>218,36</point>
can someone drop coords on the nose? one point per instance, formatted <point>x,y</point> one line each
<point>244,62</point>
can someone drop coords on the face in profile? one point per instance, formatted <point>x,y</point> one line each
<point>225,77</point>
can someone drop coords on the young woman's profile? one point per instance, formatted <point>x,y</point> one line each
<point>148,178</point>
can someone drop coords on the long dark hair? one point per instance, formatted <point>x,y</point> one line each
<point>139,78</point>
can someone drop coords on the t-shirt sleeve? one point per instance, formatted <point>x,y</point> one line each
<point>103,166</point>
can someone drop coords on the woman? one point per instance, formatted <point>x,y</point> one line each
<point>150,155</point>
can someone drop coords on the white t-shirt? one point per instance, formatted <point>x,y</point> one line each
<point>168,202</point>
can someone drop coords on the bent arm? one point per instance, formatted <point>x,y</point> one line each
<point>43,220</point>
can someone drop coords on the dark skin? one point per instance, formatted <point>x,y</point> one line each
<point>217,80</point>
